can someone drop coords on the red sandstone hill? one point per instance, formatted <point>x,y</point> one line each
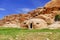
<point>47,9</point>
<point>53,3</point>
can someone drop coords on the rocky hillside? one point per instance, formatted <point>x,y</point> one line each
<point>53,3</point>
<point>47,9</point>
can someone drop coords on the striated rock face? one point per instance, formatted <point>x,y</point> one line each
<point>53,3</point>
<point>9,21</point>
<point>49,18</point>
<point>14,20</point>
<point>53,6</point>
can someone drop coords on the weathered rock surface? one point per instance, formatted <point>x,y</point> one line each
<point>53,3</point>
<point>34,23</point>
<point>47,13</point>
<point>55,25</point>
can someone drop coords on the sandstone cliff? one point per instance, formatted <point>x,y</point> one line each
<point>53,3</point>
<point>47,13</point>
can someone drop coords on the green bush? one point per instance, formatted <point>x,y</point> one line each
<point>57,18</point>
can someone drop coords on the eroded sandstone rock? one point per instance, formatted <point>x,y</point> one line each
<point>44,15</point>
<point>53,3</point>
<point>34,23</point>
<point>55,25</point>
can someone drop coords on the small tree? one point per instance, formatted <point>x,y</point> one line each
<point>57,18</point>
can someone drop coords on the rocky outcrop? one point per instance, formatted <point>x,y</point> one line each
<point>47,14</point>
<point>34,23</point>
<point>55,25</point>
<point>17,19</point>
<point>53,3</point>
<point>14,19</point>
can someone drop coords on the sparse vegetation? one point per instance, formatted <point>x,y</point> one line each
<point>57,18</point>
<point>26,34</point>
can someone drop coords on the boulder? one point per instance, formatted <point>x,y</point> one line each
<point>34,23</point>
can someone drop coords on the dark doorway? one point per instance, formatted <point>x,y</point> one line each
<point>59,8</point>
<point>31,25</point>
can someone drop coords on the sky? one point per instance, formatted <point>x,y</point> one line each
<point>8,7</point>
